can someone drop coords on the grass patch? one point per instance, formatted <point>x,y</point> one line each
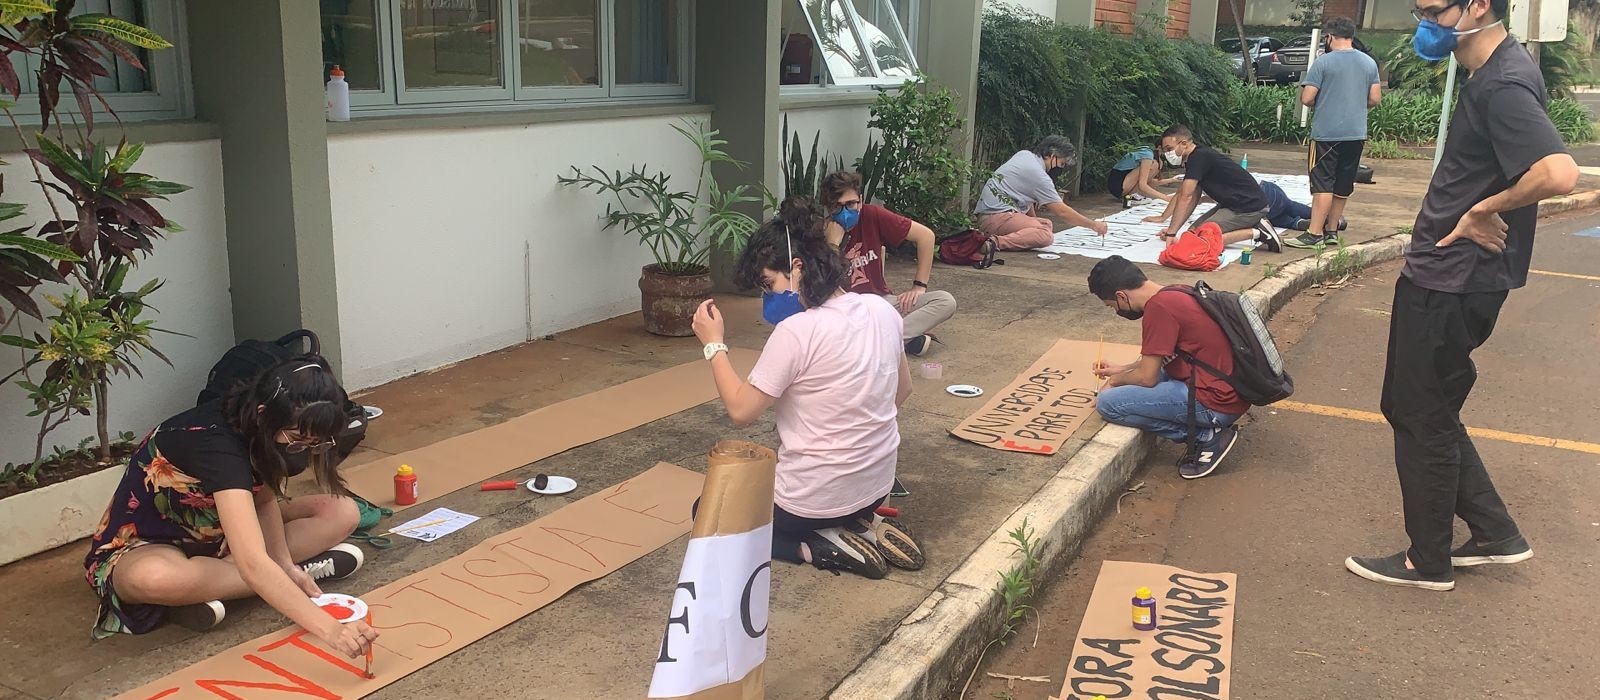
<point>1385,149</point>
<point>1016,589</point>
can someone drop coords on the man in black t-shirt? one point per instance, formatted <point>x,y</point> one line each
<point>1471,245</point>
<point>1241,206</point>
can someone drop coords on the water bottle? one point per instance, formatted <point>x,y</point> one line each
<point>338,96</point>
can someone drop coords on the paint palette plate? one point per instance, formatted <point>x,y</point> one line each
<point>1049,256</point>
<point>372,411</point>
<point>344,608</point>
<point>965,391</point>
<point>556,486</point>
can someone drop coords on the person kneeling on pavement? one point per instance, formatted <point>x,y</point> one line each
<point>861,233</point>
<point>1241,207</point>
<point>1152,393</point>
<point>835,372</point>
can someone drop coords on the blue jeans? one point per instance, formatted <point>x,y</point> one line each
<point>1162,409</point>
<point>1283,212</point>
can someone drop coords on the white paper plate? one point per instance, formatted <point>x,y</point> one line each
<point>372,411</point>
<point>965,391</point>
<point>358,607</point>
<point>1049,256</point>
<point>557,486</point>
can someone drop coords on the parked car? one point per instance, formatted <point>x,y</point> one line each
<point>1260,46</point>
<point>1286,64</point>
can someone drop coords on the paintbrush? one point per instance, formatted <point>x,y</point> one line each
<point>368,670</point>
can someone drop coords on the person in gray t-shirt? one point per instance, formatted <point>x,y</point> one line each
<point>1022,191</point>
<point>1340,86</point>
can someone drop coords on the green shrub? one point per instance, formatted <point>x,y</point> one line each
<point>1409,117</point>
<point>1572,119</point>
<point>1034,75</point>
<point>1389,150</point>
<point>919,172</point>
<point>1269,113</point>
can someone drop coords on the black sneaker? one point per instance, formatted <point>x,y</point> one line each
<point>1343,224</point>
<point>1507,551</point>
<point>899,490</point>
<point>1267,237</point>
<point>895,542</point>
<point>1392,570</point>
<point>919,345</point>
<point>341,561</point>
<point>1306,240</point>
<point>837,549</point>
<point>1301,225</point>
<point>1208,455</point>
<point>198,617</point>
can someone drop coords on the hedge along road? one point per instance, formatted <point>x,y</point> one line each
<point>1302,491</point>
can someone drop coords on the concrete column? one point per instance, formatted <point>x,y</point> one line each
<point>257,68</point>
<point>1203,20</point>
<point>1078,13</point>
<point>736,71</point>
<point>953,32</point>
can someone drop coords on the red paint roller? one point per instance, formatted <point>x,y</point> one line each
<point>499,486</point>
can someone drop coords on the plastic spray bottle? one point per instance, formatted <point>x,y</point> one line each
<point>1144,609</point>
<point>338,96</point>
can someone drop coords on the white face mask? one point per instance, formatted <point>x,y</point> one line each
<point>1173,158</point>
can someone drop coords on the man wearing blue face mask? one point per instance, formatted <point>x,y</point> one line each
<point>862,232</point>
<point>1471,244</point>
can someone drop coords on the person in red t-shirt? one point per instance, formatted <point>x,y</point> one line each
<point>862,233</point>
<point>1152,393</point>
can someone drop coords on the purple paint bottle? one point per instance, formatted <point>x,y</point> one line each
<point>1144,609</point>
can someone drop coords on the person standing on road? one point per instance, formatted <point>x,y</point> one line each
<point>1471,244</point>
<point>1152,392</point>
<point>861,232</point>
<point>1024,188</point>
<point>1341,85</point>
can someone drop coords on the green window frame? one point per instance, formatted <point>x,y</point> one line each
<point>161,92</point>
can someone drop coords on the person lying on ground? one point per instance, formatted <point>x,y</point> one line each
<point>1241,206</point>
<point>1137,176</point>
<point>835,372</point>
<point>1285,213</point>
<point>200,516</point>
<point>1024,187</point>
<point>861,233</point>
<point>1152,392</point>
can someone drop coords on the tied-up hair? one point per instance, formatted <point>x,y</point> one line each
<point>796,232</point>
<point>301,395</point>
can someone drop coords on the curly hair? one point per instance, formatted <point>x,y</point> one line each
<point>835,184</point>
<point>797,227</point>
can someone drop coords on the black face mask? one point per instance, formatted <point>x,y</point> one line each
<point>295,462</point>
<point>1130,313</point>
<point>1057,171</point>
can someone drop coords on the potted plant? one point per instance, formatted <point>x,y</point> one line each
<point>680,227</point>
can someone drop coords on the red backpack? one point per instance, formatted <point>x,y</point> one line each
<point>1198,249</point>
<point>970,247</point>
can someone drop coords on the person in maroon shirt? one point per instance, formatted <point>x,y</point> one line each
<point>1152,393</point>
<point>862,233</point>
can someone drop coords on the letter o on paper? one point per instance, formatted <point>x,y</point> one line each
<point>1208,647</point>
<point>756,587</point>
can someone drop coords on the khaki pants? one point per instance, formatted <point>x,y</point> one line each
<point>932,309</point>
<point>1014,230</point>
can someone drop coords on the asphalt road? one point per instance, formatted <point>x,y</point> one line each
<point>1303,491</point>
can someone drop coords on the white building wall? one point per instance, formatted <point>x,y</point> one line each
<point>431,227</point>
<point>1043,7</point>
<point>844,130</point>
<point>195,301</point>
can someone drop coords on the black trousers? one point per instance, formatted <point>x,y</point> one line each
<point>1426,381</point>
<point>789,530</point>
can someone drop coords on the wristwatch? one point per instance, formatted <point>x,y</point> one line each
<point>713,348</point>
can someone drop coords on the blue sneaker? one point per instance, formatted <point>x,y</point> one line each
<point>1208,455</point>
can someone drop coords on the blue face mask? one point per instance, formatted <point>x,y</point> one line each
<point>776,306</point>
<point>1433,41</point>
<point>848,218</point>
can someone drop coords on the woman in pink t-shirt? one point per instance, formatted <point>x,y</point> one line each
<point>835,372</point>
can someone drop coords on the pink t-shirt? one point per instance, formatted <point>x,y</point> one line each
<point>834,370</point>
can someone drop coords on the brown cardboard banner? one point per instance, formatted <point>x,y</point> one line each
<point>1190,653</point>
<point>715,644</point>
<point>439,610</point>
<point>1041,408</point>
<point>467,459</point>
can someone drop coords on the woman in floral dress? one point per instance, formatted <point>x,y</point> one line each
<point>197,517</point>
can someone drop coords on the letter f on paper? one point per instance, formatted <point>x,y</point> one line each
<point>708,641</point>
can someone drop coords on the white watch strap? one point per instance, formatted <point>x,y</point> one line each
<point>712,349</point>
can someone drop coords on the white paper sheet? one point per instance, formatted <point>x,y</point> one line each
<point>443,522</point>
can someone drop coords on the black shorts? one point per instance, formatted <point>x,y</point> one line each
<point>1114,180</point>
<point>1333,166</point>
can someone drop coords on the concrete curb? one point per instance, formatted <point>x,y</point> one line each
<point>934,648</point>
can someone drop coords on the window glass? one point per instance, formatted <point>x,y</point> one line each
<point>450,43</point>
<point>350,41</point>
<point>558,42</point>
<point>884,35</point>
<point>647,42</point>
<point>833,29</point>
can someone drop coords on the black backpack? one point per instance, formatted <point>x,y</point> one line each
<point>1258,373</point>
<point>244,362</point>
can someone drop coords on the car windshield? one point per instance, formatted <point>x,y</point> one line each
<point>1229,45</point>
<point>1298,42</point>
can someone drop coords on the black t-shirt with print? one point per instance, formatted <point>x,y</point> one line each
<point>1224,180</point>
<point>199,443</point>
<point>1499,130</point>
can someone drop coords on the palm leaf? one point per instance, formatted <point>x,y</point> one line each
<point>121,30</point>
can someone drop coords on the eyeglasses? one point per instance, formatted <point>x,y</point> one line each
<point>318,447</point>
<point>849,204</point>
<point>1431,14</point>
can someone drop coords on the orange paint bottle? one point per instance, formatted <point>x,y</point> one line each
<point>405,486</point>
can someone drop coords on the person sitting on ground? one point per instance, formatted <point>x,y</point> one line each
<point>1285,213</point>
<point>1152,393</point>
<point>1024,187</point>
<point>1137,176</point>
<point>1241,205</point>
<point>200,516</point>
<point>835,371</point>
<point>861,232</point>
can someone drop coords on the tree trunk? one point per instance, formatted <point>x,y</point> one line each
<point>100,414</point>
<point>1246,52</point>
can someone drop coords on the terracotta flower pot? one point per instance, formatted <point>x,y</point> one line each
<point>669,301</point>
